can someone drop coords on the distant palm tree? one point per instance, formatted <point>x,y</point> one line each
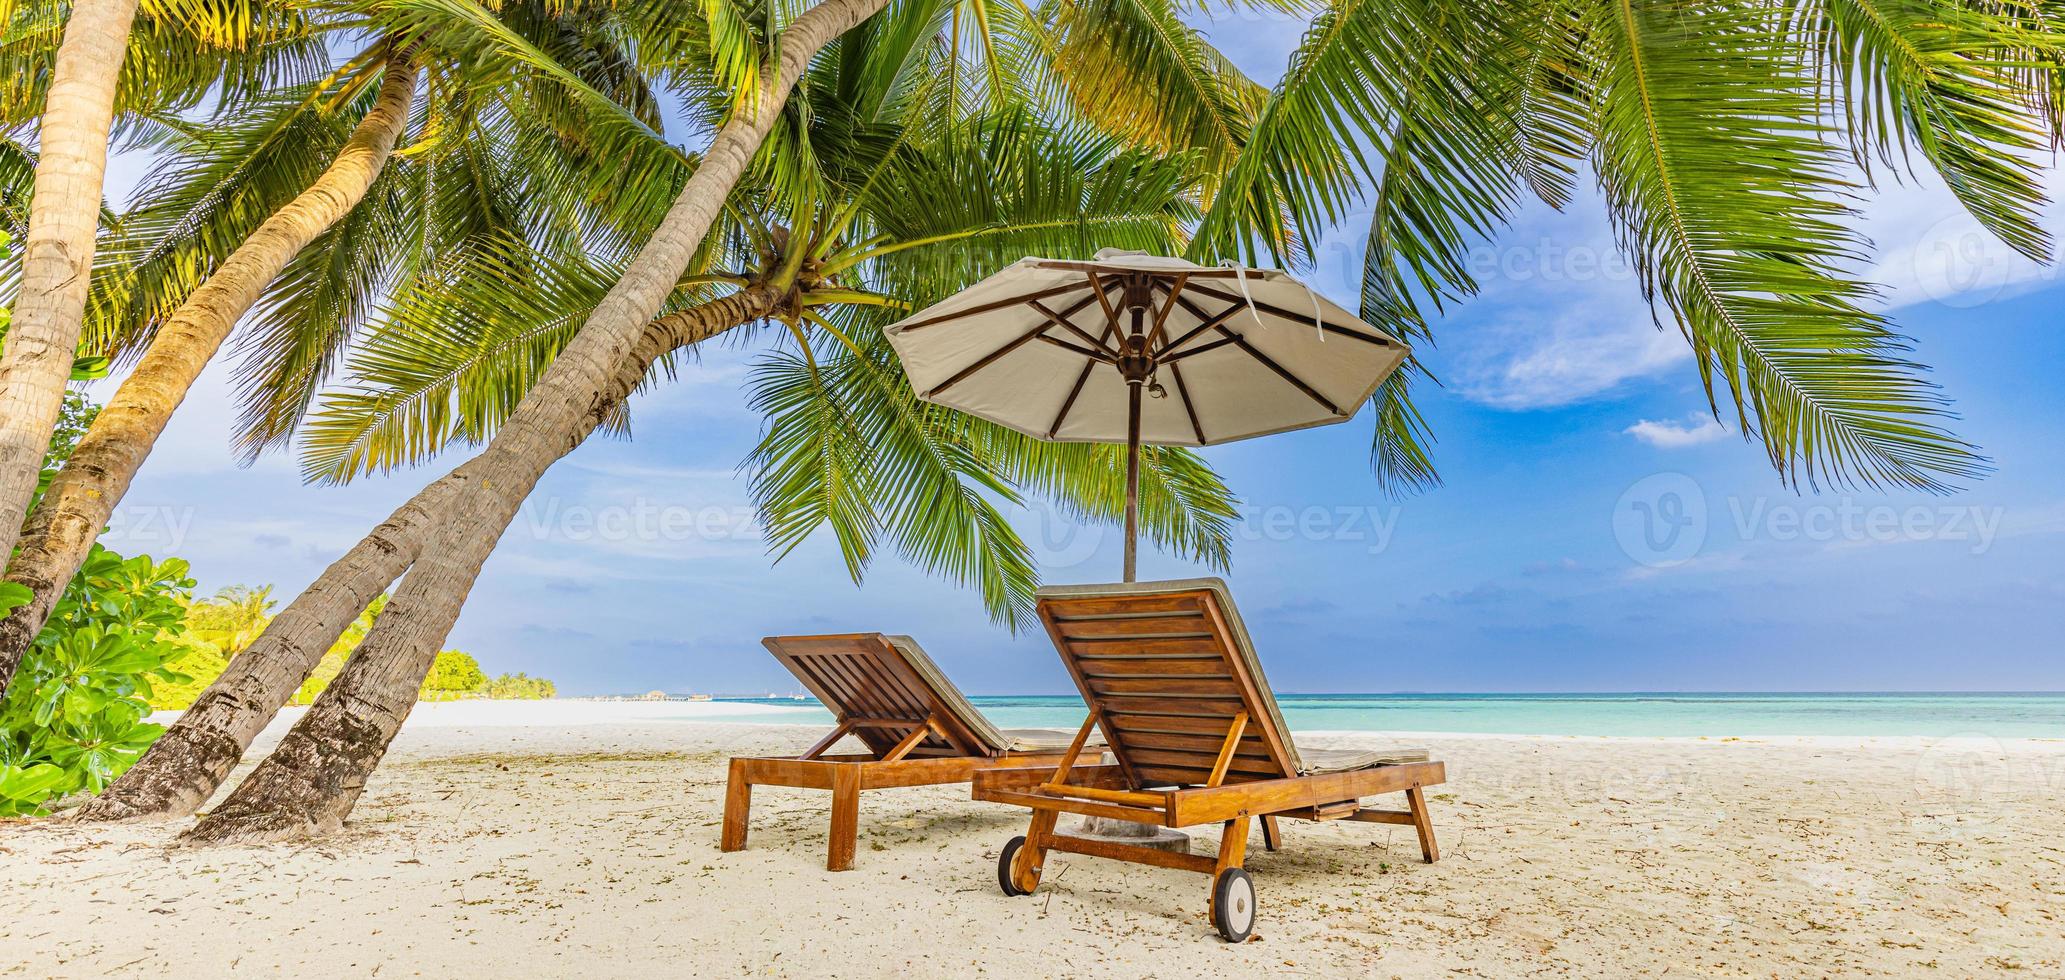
<point>233,617</point>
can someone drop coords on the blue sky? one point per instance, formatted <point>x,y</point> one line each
<point>1598,531</point>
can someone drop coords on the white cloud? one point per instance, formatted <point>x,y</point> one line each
<point>1933,250</point>
<point>1696,429</point>
<point>1524,363</point>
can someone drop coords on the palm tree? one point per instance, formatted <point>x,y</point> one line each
<point>203,218</point>
<point>84,71</point>
<point>192,758</point>
<point>922,483</point>
<point>57,255</point>
<point>83,496</point>
<point>233,618</point>
<point>1448,110</point>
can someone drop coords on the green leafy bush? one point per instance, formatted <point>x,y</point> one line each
<point>73,719</point>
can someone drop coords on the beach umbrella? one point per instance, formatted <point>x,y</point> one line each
<point>1136,348</point>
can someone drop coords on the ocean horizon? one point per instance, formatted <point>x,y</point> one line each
<point>1995,714</point>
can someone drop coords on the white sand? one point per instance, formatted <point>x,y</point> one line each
<point>581,838</point>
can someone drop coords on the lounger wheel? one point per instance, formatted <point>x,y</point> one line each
<point>1004,862</point>
<point>1233,905</point>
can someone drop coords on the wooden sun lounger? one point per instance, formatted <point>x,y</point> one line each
<point>1174,685</point>
<point>918,729</point>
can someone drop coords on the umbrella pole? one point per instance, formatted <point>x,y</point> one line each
<point>1132,477</point>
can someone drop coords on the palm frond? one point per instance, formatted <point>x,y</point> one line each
<point>1134,68</point>
<point>221,181</point>
<point>451,358</point>
<point>1401,450</point>
<point>1721,173</point>
<point>1950,78</point>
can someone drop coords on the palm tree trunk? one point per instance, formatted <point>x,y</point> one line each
<point>84,494</point>
<point>185,766</point>
<point>57,257</point>
<point>309,784</point>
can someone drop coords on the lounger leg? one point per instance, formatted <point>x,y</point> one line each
<point>1233,845</point>
<point>738,802</point>
<point>1270,831</point>
<point>1417,799</point>
<point>1233,848</point>
<point>845,816</point>
<point>1032,855</point>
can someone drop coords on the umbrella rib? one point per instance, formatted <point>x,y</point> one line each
<point>1189,408</point>
<point>1241,342</point>
<point>1082,377</point>
<point>1093,356</point>
<point>1281,371</point>
<point>991,306</point>
<point>1111,316</point>
<point>1283,314</point>
<point>1194,351</point>
<point>1070,265</point>
<point>991,357</point>
<point>1070,401</point>
<point>1209,323</point>
<point>1161,319</point>
<point>1061,320</point>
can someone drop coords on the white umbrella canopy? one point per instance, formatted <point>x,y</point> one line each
<point>1136,348</point>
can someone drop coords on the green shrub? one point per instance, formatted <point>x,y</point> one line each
<point>73,719</point>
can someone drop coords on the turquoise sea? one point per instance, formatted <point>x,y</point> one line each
<point>2004,715</point>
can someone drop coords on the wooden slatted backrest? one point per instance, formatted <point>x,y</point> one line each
<point>863,677</point>
<point>1165,672</point>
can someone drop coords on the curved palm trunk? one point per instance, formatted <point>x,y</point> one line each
<point>84,494</point>
<point>309,784</point>
<point>57,257</point>
<point>185,766</point>
<point>312,780</point>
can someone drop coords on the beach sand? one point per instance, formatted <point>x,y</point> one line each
<point>508,841</point>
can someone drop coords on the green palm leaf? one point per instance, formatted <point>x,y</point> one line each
<point>1950,78</point>
<point>1718,166</point>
